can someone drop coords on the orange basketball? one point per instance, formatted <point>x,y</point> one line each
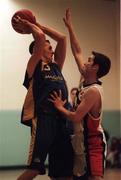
<point>24,14</point>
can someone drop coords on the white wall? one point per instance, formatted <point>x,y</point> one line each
<point>97,26</point>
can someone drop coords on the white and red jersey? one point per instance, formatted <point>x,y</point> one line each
<point>94,138</point>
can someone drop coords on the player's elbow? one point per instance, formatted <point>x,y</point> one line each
<point>40,40</point>
<point>42,36</point>
<point>63,38</point>
<point>77,119</point>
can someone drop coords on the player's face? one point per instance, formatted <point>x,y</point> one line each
<point>48,52</point>
<point>89,63</point>
<point>73,95</point>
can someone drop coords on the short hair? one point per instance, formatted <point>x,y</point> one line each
<point>74,89</point>
<point>104,63</point>
<point>31,46</point>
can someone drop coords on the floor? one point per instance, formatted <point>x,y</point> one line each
<point>110,174</point>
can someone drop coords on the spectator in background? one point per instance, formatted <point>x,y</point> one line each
<point>113,153</point>
<point>119,153</point>
<point>73,93</point>
<point>77,138</point>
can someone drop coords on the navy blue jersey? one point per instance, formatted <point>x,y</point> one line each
<point>46,79</point>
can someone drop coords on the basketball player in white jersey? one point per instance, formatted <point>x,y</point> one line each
<point>91,100</point>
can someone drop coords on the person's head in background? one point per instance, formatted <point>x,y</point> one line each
<point>73,93</point>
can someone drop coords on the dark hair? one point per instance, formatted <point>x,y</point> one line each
<point>103,62</point>
<point>31,46</point>
<point>74,89</point>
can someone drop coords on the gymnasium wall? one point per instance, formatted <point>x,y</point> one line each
<point>96,24</point>
<point>15,137</point>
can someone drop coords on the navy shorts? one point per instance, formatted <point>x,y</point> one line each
<point>61,158</point>
<point>52,139</point>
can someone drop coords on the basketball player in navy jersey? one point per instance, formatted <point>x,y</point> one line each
<point>89,109</point>
<point>49,133</point>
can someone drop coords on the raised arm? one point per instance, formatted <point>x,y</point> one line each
<point>39,38</point>
<point>60,50</point>
<point>75,46</point>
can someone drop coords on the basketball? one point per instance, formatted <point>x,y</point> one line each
<point>24,14</point>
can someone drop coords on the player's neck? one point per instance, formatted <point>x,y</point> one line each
<point>45,60</point>
<point>85,84</point>
<point>90,81</point>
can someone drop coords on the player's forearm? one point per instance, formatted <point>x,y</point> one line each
<point>37,32</point>
<point>74,41</point>
<point>76,49</point>
<point>57,36</point>
<point>69,114</point>
<point>39,38</point>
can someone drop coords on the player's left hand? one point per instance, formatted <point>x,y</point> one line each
<point>57,99</point>
<point>21,24</point>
